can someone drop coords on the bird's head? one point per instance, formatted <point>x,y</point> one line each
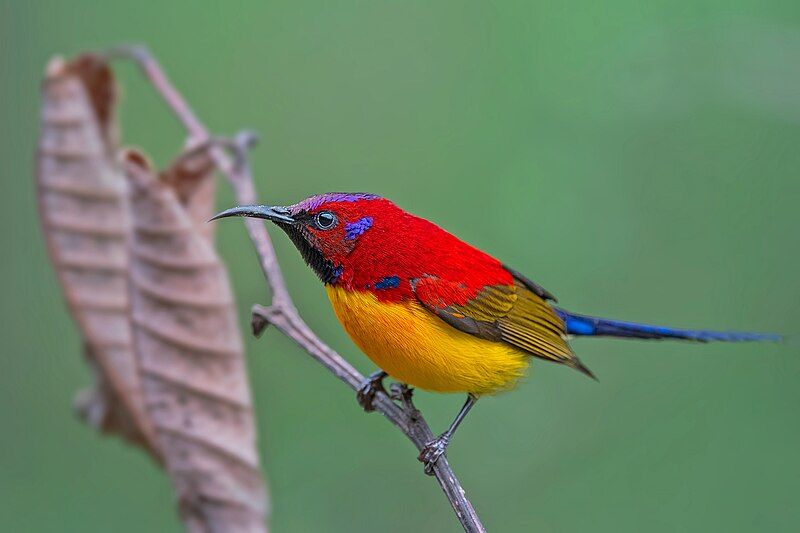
<point>326,228</point>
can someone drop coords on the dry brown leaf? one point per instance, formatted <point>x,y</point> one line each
<point>85,219</point>
<point>191,363</point>
<point>191,176</point>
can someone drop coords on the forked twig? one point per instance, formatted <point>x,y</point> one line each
<point>282,313</point>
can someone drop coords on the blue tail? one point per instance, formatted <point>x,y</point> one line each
<point>580,325</point>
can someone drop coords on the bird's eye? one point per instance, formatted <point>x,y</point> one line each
<point>325,220</point>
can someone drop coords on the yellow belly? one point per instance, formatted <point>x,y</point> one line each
<point>416,347</point>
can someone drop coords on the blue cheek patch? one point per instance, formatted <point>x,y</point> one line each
<point>391,282</point>
<point>354,229</point>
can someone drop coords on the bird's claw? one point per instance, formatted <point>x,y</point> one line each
<point>369,388</point>
<point>432,451</point>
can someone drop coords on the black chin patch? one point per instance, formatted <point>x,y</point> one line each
<point>322,267</point>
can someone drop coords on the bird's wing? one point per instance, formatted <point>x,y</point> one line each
<point>515,314</point>
<point>537,289</point>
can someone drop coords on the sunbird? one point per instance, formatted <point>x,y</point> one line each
<point>433,311</point>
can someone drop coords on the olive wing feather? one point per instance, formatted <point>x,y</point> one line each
<point>517,314</point>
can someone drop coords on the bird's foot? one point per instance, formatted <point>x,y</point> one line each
<point>369,388</point>
<point>401,393</point>
<point>433,451</point>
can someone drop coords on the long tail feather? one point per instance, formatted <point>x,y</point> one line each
<point>581,325</point>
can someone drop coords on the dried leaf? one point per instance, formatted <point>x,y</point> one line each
<point>191,176</point>
<point>190,358</point>
<point>85,219</point>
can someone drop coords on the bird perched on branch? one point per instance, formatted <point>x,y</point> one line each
<point>434,312</point>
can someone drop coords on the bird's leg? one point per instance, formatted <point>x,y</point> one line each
<point>437,447</point>
<point>368,388</point>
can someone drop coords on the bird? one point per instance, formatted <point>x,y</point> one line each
<point>434,312</point>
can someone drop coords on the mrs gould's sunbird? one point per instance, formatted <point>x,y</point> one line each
<point>432,311</point>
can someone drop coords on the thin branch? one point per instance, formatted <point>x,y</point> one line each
<point>282,312</point>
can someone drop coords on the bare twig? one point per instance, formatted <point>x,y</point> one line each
<point>282,312</point>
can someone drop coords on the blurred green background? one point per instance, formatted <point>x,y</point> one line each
<point>638,159</point>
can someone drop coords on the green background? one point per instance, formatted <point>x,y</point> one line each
<point>639,159</point>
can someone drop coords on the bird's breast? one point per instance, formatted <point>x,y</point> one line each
<point>416,347</point>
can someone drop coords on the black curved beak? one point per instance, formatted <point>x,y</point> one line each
<point>274,213</point>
